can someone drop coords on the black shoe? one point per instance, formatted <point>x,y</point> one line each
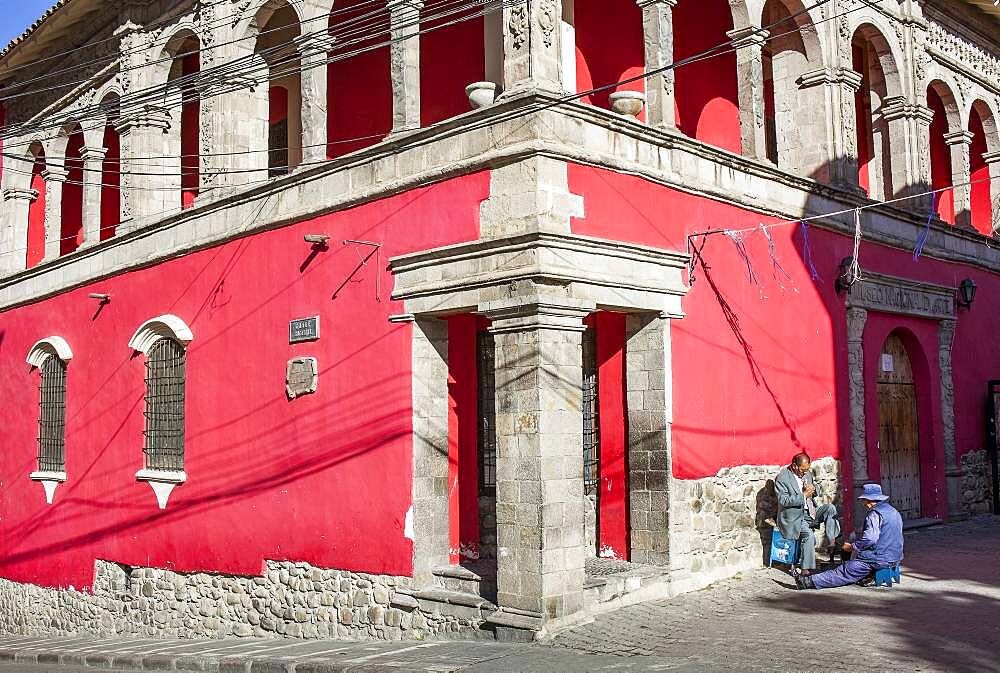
<point>804,582</point>
<point>867,581</point>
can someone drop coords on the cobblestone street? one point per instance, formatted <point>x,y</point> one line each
<point>943,617</point>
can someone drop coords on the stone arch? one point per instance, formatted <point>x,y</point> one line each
<point>53,346</point>
<point>179,64</point>
<point>984,193</point>
<point>71,198</point>
<point>34,226</point>
<point>111,177</point>
<point>792,126</point>
<point>880,173</point>
<point>161,327</point>
<point>947,118</point>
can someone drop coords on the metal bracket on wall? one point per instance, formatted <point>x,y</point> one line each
<point>377,251</point>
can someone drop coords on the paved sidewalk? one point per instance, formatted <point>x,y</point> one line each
<point>944,617</point>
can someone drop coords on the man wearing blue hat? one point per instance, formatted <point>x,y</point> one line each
<point>880,545</point>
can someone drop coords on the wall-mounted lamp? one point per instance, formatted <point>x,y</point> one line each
<point>316,239</point>
<point>845,276</point>
<point>966,292</point>
<point>103,298</point>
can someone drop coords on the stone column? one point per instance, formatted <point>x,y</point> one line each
<point>93,164</point>
<point>992,160</point>
<point>54,176</point>
<point>648,400</point>
<point>749,43</point>
<point>429,514</point>
<point>896,115</point>
<point>952,470</point>
<point>313,79</point>
<point>922,118</point>
<point>856,319</point>
<point>844,84</point>
<point>14,233</point>
<point>540,512</point>
<point>658,35</point>
<point>532,56</point>
<point>146,197</point>
<point>404,22</point>
<point>960,143</point>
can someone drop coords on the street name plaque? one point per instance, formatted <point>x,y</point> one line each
<point>303,329</point>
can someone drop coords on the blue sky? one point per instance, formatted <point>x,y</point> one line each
<point>18,15</point>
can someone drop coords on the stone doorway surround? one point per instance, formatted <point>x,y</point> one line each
<point>536,281</point>
<point>901,296</point>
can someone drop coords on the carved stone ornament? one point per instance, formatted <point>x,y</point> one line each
<point>517,26</point>
<point>548,19</point>
<point>301,377</point>
<point>889,294</point>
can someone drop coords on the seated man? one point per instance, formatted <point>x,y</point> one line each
<point>798,514</point>
<point>880,546</point>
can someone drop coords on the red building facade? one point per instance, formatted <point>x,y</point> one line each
<point>555,331</point>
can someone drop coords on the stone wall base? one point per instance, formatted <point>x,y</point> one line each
<point>294,600</point>
<point>725,516</point>
<point>976,490</point>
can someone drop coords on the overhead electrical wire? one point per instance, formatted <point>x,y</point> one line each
<point>718,50</point>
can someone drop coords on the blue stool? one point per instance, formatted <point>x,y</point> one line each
<point>783,550</point>
<point>887,576</point>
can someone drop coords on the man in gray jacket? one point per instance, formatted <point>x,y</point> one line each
<point>798,515</point>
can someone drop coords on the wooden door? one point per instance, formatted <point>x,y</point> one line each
<point>899,445</point>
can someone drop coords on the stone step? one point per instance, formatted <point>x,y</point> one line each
<point>458,604</point>
<point>458,578</point>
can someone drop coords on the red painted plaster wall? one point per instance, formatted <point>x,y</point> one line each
<point>613,483</point>
<point>111,180</point>
<point>359,89</point>
<point>982,208</point>
<point>190,138</point>
<point>324,478</point>
<point>463,438</point>
<point>36,215</point>
<point>863,111</point>
<point>706,93</point>
<point>71,234</point>
<point>451,58</point>
<point>794,332</point>
<point>601,61</point>
<point>941,176</point>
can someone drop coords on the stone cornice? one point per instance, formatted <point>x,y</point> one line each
<point>483,140</point>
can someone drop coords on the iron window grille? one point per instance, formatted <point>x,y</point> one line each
<point>591,420</point>
<point>277,155</point>
<point>487,414</point>
<point>164,445</point>
<point>52,416</point>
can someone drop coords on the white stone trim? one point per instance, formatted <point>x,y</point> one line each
<point>49,481</point>
<point>162,482</point>
<point>154,329</point>
<point>43,348</point>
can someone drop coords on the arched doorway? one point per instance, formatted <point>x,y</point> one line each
<point>899,437</point>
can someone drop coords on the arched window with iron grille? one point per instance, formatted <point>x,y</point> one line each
<point>52,416</point>
<point>165,382</point>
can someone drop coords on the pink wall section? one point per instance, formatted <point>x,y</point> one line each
<point>324,478</point>
<point>36,215</point>
<point>600,62</point>
<point>795,331</point>
<point>451,58</point>
<point>982,207</point>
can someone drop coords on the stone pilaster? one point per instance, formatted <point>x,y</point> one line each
<point>921,122</point>
<point>648,400</point>
<point>314,100</point>
<point>428,518</point>
<point>959,143</point>
<point>143,134</point>
<point>404,21</point>
<point>532,46</point>
<point>540,501</point>
<point>14,232</point>
<point>749,42</point>
<point>658,38</point>
<point>952,470</point>
<point>992,160</point>
<point>55,177</point>
<point>93,164</point>
<point>856,319</point>
<point>896,118</point>
<point>844,84</point>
